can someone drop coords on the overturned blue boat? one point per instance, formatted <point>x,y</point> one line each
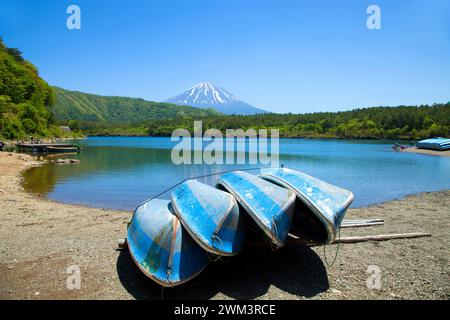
<point>320,206</point>
<point>440,144</point>
<point>270,206</point>
<point>211,217</point>
<point>161,247</point>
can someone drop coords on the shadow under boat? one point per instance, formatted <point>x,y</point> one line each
<point>296,270</point>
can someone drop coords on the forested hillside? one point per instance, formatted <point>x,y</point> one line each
<point>407,122</point>
<point>25,98</point>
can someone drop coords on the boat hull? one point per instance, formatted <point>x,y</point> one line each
<point>270,206</point>
<point>327,203</point>
<point>161,247</point>
<point>211,217</point>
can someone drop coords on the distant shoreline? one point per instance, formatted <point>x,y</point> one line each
<point>281,137</point>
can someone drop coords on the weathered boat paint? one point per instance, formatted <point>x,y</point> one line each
<point>326,201</point>
<point>161,247</point>
<point>269,205</point>
<point>211,217</point>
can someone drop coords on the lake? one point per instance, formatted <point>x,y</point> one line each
<point>122,172</point>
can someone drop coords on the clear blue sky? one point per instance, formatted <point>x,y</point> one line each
<point>284,56</point>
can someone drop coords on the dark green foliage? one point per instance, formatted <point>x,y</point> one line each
<point>402,122</point>
<point>25,99</point>
<point>90,108</point>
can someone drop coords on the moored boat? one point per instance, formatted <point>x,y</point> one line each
<point>44,148</point>
<point>161,247</point>
<point>74,149</point>
<point>211,217</point>
<point>270,206</point>
<point>320,206</point>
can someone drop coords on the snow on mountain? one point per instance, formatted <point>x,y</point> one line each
<point>207,95</point>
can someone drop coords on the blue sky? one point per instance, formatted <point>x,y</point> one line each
<point>284,56</point>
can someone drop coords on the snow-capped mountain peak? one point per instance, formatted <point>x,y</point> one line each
<point>205,93</point>
<point>208,95</point>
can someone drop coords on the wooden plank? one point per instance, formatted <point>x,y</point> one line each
<point>296,241</point>
<point>382,237</point>
<point>357,221</point>
<point>358,225</point>
<point>293,241</point>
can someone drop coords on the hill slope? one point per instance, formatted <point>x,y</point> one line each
<point>74,105</point>
<point>25,98</point>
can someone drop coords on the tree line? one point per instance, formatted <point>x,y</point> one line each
<point>402,122</point>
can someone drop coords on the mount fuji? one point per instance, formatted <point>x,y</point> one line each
<point>207,95</point>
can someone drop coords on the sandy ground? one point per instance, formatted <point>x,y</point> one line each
<point>41,239</point>
<point>428,152</point>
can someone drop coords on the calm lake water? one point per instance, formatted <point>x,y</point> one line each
<point>121,172</point>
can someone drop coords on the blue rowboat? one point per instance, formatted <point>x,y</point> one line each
<point>440,144</point>
<point>321,206</point>
<point>160,246</point>
<point>269,205</point>
<point>211,217</point>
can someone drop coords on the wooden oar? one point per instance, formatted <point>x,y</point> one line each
<point>381,237</point>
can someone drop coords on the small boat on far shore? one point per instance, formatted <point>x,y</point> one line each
<point>440,144</point>
<point>45,148</point>
<point>73,149</point>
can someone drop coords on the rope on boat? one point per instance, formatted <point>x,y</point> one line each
<point>336,253</point>
<point>206,176</point>
<point>275,233</point>
<point>169,280</point>
<point>199,177</point>
<point>169,277</point>
<point>219,256</point>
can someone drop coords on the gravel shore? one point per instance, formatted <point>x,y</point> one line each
<point>40,239</point>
